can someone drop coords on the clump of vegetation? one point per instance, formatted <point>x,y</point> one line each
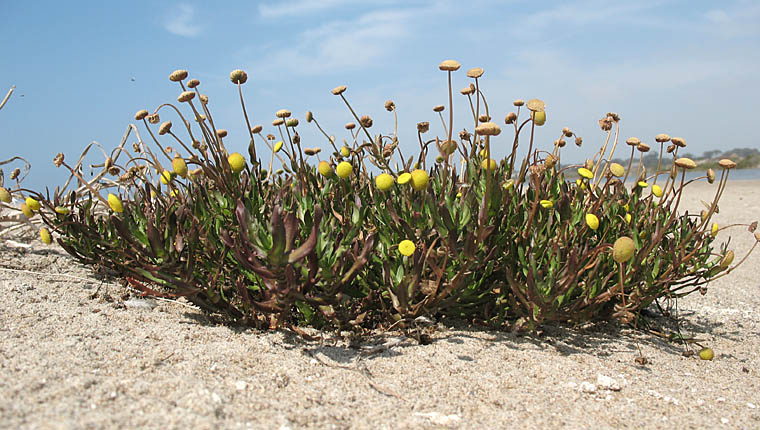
<point>364,236</point>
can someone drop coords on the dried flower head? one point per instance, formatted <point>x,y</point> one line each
<point>291,122</point>
<point>58,159</point>
<point>140,114</point>
<point>278,122</point>
<point>257,129</point>
<point>536,105</point>
<point>662,138</point>
<point>727,164</point>
<point>623,249</point>
<point>438,108</point>
<point>670,148</point>
<point>338,90</point>
<point>560,143</point>
<point>365,121</point>
<point>578,141</point>
<point>488,129</point>
<point>606,123</point>
<point>309,151</point>
<point>164,127</point>
<point>632,141</point>
<point>567,132</point>
<point>186,96</point>
<point>192,83</point>
<point>617,170</point>
<point>510,118</point>
<point>309,116</point>
<point>221,132</point>
<point>449,65</point>
<point>238,77</point>
<point>643,147</point>
<point>710,176</point>
<point>484,118</point>
<point>178,75</point>
<point>389,105</point>
<point>518,102</point>
<point>679,141</point>
<point>282,113</point>
<point>350,126</point>
<point>465,135</point>
<point>615,117</point>
<point>685,163</point>
<point>467,90</point>
<point>475,73</point>
<point>153,119</point>
<point>203,98</point>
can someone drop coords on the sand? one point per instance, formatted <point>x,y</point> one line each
<point>76,352</point>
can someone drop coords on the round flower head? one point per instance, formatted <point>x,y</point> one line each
<point>179,166</point>
<point>338,90</point>
<point>592,221</point>
<point>642,184</point>
<point>344,151</point>
<point>45,236</point>
<point>404,178</point>
<point>679,141</point>
<point>539,118</point>
<point>632,141</point>
<point>623,249</point>
<point>420,179</point>
<point>423,127</point>
<point>62,210</point>
<point>547,204</point>
<point>282,113</point>
<point>685,163</point>
<point>5,196</point>
<point>662,138</point>
<point>617,170</point>
<point>536,105</point>
<point>489,164</point>
<point>115,203</point>
<point>488,129</point>
<point>325,169</point>
<point>467,90</point>
<point>257,129</point>
<point>291,122</point>
<point>166,177</point>
<point>33,204</point>
<point>657,190</point>
<point>26,211</point>
<point>237,162</point>
<point>643,147</point>
<point>384,181</point>
<point>519,102</point>
<point>438,108</point>
<point>344,169</point>
<point>389,105</point>
<point>586,173</point>
<point>406,247</point>
<point>186,96</point>
<point>475,73</point>
<point>710,176</point>
<point>221,132</point>
<point>365,121</point>
<point>178,75</point>
<point>706,354</point>
<point>141,114</point>
<point>309,116</point>
<point>727,164</point>
<point>449,65</point>
<point>278,146</point>
<point>714,230</point>
<point>627,218</point>
<point>238,76</point>
<point>165,127</point>
<point>192,83</point>
<point>510,118</point>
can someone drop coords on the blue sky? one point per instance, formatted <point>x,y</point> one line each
<point>687,68</point>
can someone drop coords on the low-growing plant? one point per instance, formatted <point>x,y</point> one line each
<point>368,237</point>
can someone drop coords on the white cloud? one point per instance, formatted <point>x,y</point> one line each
<point>299,7</point>
<point>182,23</point>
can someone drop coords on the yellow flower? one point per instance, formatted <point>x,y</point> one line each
<point>166,176</point>
<point>115,203</point>
<point>5,196</point>
<point>45,236</point>
<point>580,184</point>
<point>237,162</point>
<point>547,203</point>
<point>623,249</point>
<point>404,178</point>
<point>642,184</point>
<point>179,166</point>
<point>419,179</point>
<point>657,190</point>
<point>384,181</point>
<point>586,173</point>
<point>459,195</point>
<point>325,169</point>
<point>62,210</point>
<point>32,204</point>
<point>714,230</point>
<point>406,247</point>
<point>539,118</point>
<point>278,146</point>
<point>344,169</point>
<point>592,221</point>
<point>626,207</point>
<point>344,151</point>
<point>510,183</point>
<point>706,354</point>
<point>628,218</point>
<point>489,164</point>
<point>25,209</point>
<point>617,170</point>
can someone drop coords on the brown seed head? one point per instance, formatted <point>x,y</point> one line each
<point>578,141</point>
<point>278,122</point>
<point>423,127</point>
<point>465,135</point>
<point>510,118</point>
<point>488,129</point>
<point>606,123</point>
<point>178,75</point>
<point>282,113</point>
<point>365,121</point>
<point>153,119</point>
<point>757,236</point>
<point>484,118</point>
<point>221,132</point>
<point>186,96</point>
<point>438,108</point>
<point>685,163</point>
<point>467,91</point>
<point>15,173</point>
<point>389,105</point>
<point>338,90</point>
<point>350,126</point>
<point>679,141</point>
<point>518,102</point>
<point>204,99</point>
<point>141,114</point>
<point>257,129</point>
<point>164,127</point>
<point>449,65</point>
<point>309,151</point>
<point>58,159</point>
<point>567,132</point>
<point>643,147</point>
<point>670,148</point>
<point>710,176</point>
<point>238,76</point>
<point>536,105</point>
<point>727,164</point>
<point>632,141</point>
<point>560,142</point>
<point>615,117</point>
<point>662,138</point>
<point>550,161</point>
<point>309,116</point>
<point>475,73</point>
<point>192,83</point>
<point>291,122</point>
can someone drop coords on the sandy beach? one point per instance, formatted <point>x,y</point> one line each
<point>80,353</point>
